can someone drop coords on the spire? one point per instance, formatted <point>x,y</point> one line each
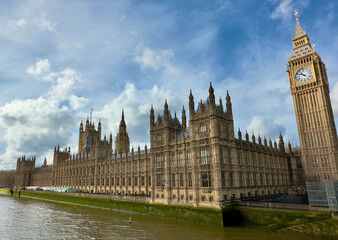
<point>228,104</point>
<point>184,118</point>
<point>152,116</point>
<point>166,111</point>
<point>239,134</point>
<point>191,105</point>
<point>221,104</point>
<point>299,31</point>
<point>122,127</point>
<point>211,95</point>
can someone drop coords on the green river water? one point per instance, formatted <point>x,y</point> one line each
<point>22,218</point>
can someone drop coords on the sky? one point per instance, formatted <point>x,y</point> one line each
<point>59,58</point>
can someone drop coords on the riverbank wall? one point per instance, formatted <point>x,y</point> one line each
<point>317,223</point>
<point>131,204</point>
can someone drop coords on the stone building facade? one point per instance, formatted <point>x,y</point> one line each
<point>309,87</point>
<point>197,164</point>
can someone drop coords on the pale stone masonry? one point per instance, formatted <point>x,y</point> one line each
<point>309,86</point>
<point>201,162</point>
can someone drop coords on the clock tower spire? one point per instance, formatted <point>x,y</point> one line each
<point>315,121</point>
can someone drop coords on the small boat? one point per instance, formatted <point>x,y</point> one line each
<point>130,221</point>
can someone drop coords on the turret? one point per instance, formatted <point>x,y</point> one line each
<point>221,104</point>
<point>166,111</point>
<point>81,126</point>
<point>184,119</point>
<point>239,134</point>
<point>253,138</point>
<point>99,131</point>
<point>228,104</point>
<point>122,141</point>
<point>246,136</point>
<point>289,146</point>
<point>259,140</point>
<point>211,97</point>
<point>265,142</point>
<point>152,116</point>
<point>281,143</point>
<point>191,106</point>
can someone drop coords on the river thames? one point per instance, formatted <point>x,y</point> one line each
<point>22,218</point>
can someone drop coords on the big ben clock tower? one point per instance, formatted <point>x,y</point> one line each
<point>316,126</point>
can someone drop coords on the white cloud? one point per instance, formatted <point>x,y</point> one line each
<point>34,126</point>
<point>16,24</point>
<point>41,68</point>
<point>286,8</point>
<point>136,104</point>
<point>44,24</point>
<point>334,99</point>
<point>156,60</point>
<point>265,127</point>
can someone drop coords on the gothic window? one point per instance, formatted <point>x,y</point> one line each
<point>159,161</point>
<point>229,156</point>
<point>206,179</point>
<point>173,183</point>
<point>205,156</point>
<point>181,180</point>
<point>189,179</point>
<point>181,159</point>
<point>129,181</point>
<point>203,129</point>
<point>142,180</point>
<point>239,158</point>
<point>240,179</point>
<point>226,132</point>
<point>142,165</point>
<point>223,179</point>
<point>123,181</point>
<point>159,138</point>
<point>135,181</point>
<point>159,180</point>
<point>173,159</point>
<point>149,180</point>
<point>221,155</point>
<point>189,158</point>
<point>231,179</point>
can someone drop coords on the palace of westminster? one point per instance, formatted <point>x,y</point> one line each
<point>202,163</point>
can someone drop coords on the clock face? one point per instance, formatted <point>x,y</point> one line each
<point>303,75</point>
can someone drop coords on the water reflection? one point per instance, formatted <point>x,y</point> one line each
<point>22,218</point>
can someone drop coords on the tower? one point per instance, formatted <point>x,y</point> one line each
<point>310,91</point>
<point>122,140</point>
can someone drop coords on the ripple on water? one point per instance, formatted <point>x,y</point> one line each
<point>31,219</point>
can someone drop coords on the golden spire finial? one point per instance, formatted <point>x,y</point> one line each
<point>296,13</point>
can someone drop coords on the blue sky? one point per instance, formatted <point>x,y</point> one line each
<point>58,58</point>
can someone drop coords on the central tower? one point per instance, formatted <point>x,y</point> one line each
<point>311,97</point>
<point>122,139</point>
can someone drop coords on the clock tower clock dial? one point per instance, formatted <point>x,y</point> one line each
<point>303,75</point>
<point>315,121</point>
